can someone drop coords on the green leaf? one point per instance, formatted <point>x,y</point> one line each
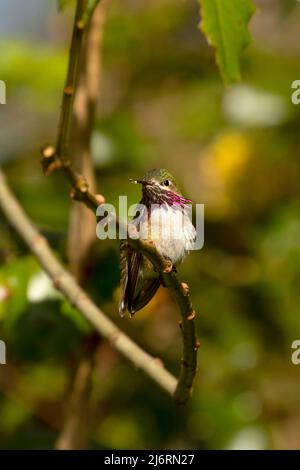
<point>225,25</point>
<point>63,4</point>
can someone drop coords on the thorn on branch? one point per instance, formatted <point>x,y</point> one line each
<point>191,315</point>
<point>56,282</point>
<point>185,288</point>
<point>49,161</point>
<point>80,189</point>
<point>69,90</point>
<point>168,267</point>
<point>158,361</point>
<point>48,151</point>
<point>38,241</point>
<point>73,194</point>
<point>100,199</point>
<point>80,25</point>
<point>81,184</point>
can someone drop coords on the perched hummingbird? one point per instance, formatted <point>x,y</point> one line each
<point>162,217</point>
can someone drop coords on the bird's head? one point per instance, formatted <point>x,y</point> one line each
<point>159,187</point>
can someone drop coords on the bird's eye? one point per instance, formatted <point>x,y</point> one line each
<point>167,182</point>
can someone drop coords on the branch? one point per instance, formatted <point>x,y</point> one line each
<point>53,159</point>
<point>71,82</point>
<point>66,284</point>
<point>73,433</point>
<point>82,223</point>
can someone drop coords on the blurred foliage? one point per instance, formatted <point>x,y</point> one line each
<point>234,149</point>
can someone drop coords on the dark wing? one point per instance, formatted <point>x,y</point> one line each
<point>135,293</point>
<point>130,262</point>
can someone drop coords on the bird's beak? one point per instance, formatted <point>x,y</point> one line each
<point>143,182</point>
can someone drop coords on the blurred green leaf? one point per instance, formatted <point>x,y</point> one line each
<point>13,415</point>
<point>38,90</point>
<point>77,318</point>
<point>224,22</point>
<point>49,379</point>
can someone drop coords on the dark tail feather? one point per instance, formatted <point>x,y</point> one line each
<point>123,303</point>
<point>144,296</point>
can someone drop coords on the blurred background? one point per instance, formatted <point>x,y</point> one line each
<point>236,149</point>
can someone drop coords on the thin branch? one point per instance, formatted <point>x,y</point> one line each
<point>52,159</point>
<point>71,82</point>
<point>66,284</point>
<point>73,433</point>
<point>82,223</point>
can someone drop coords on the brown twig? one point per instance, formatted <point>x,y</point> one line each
<point>82,223</point>
<point>74,430</point>
<point>62,142</point>
<point>66,284</point>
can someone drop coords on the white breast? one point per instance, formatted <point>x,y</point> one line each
<point>172,231</point>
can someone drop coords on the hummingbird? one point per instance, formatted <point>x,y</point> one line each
<point>162,216</point>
